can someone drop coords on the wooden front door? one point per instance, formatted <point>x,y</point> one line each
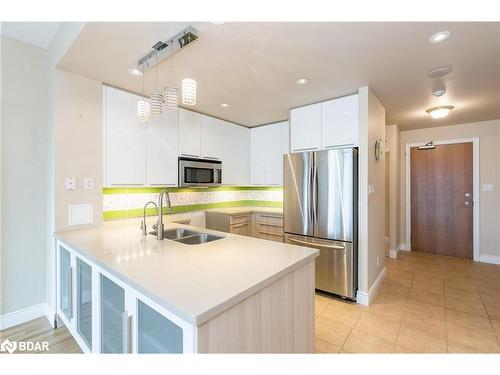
<point>441,200</point>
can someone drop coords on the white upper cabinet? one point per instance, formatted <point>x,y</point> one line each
<point>189,133</point>
<point>305,125</point>
<point>124,138</point>
<point>266,154</point>
<point>235,154</point>
<point>340,124</point>
<point>325,125</point>
<point>212,137</point>
<point>162,149</point>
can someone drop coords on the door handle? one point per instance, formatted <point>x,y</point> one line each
<point>315,191</point>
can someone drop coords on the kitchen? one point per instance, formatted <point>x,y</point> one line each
<point>183,217</point>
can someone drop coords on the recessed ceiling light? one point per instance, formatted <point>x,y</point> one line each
<point>439,37</point>
<point>224,105</point>
<point>440,112</point>
<point>302,81</point>
<point>135,72</point>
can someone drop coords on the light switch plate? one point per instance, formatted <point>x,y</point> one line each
<point>488,187</point>
<point>70,183</point>
<point>79,214</point>
<point>88,183</point>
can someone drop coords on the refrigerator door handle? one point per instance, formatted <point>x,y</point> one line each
<point>334,247</point>
<point>311,186</point>
<point>315,192</point>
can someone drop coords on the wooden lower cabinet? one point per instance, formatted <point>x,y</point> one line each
<point>268,227</point>
<point>277,319</point>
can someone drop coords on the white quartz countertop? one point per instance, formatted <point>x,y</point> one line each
<point>247,210</point>
<point>195,282</point>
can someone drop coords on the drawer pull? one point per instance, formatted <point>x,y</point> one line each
<point>271,234</point>
<point>238,225</point>
<point>277,216</point>
<point>272,225</point>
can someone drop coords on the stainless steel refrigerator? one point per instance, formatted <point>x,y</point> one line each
<point>320,206</point>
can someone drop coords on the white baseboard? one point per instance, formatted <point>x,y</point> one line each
<point>393,254</point>
<point>364,298</point>
<point>487,258</point>
<point>402,246</point>
<point>25,315</point>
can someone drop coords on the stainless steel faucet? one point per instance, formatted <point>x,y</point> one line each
<point>143,223</point>
<point>159,225</point>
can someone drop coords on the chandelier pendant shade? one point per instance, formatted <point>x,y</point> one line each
<point>143,110</point>
<point>188,91</point>
<point>156,103</point>
<point>171,99</point>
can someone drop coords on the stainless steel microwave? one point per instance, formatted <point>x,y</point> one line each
<point>200,172</point>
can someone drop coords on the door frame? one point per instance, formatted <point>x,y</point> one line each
<point>475,183</point>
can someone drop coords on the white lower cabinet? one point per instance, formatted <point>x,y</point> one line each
<point>105,315</point>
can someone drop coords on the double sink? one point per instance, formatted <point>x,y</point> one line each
<point>188,237</point>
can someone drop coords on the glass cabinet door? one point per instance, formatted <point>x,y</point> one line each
<point>84,301</point>
<point>66,282</point>
<point>112,315</point>
<point>157,334</point>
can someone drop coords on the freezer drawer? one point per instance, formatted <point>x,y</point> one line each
<point>336,270</point>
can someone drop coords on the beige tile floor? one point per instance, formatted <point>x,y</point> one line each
<point>426,304</point>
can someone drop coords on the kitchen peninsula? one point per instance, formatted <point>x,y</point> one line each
<point>119,291</point>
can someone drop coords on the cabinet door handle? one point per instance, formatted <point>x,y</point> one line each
<point>70,292</point>
<point>127,330</point>
<point>305,149</point>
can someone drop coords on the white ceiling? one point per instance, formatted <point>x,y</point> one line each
<point>38,34</point>
<point>253,66</point>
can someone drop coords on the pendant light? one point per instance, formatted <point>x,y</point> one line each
<point>189,88</point>
<point>143,108</point>
<point>171,96</point>
<point>156,100</point>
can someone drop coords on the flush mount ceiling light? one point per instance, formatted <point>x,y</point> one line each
<point>224,105</point>
<point>439,72</point>
<point>440,112</point>
<point>439,37</point>
<point>302,81</point>
<point>135,72</point>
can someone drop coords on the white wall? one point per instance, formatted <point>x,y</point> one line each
<point>489,173</point>
<point>371,207</point>
<point>78,142</point>
<point>23,139</point>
